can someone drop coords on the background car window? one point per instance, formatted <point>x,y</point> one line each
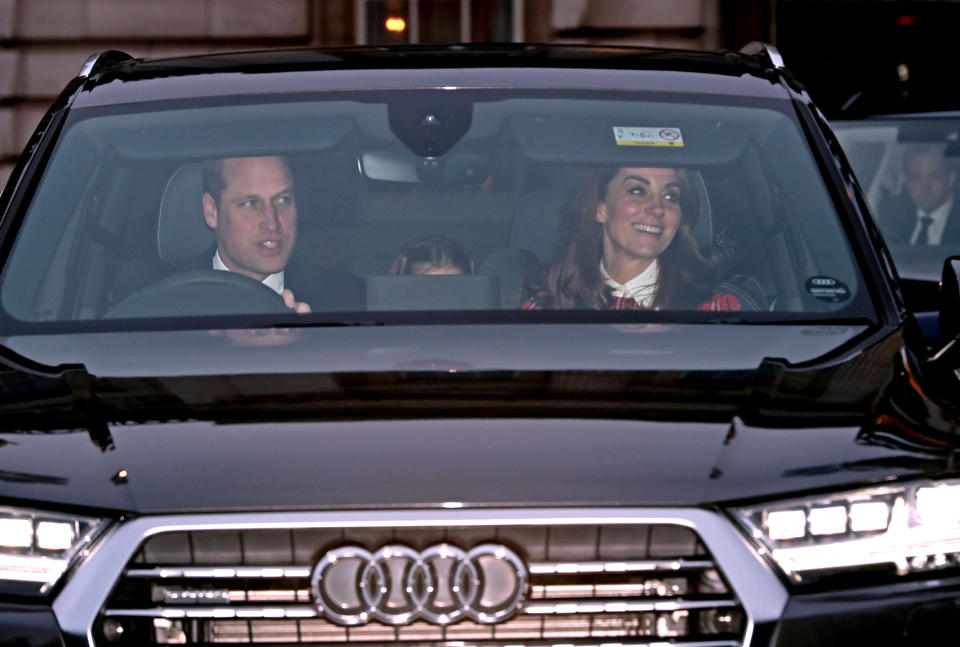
<point>878,150</point>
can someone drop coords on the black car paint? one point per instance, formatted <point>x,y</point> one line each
<point>28,625</point>
<point>905,614</point>
<point>192,432</point>
<point>369,68</point>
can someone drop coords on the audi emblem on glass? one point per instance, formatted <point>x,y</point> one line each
<point>397,585</point>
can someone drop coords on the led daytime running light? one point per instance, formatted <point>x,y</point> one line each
<point>913,527</point>
<point>38,547</point>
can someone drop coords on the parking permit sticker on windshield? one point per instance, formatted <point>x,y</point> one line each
<point>827,288</point>
<point>633,136</point>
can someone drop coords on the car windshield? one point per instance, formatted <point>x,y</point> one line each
<point>452,204</point>
<point>907,168</point>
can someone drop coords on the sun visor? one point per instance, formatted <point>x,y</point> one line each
<point>646,142</point>
<point>230,138</point>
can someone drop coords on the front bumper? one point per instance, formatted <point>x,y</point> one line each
<point>917,612</point>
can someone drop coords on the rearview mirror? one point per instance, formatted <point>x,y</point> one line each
<point>456,169</point>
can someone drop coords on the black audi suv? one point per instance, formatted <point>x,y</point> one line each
<point>460,346</point>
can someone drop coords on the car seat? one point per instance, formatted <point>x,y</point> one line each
<point>182,233</point>
<point>423,292</point>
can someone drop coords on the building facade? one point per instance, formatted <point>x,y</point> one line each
<point>43,43</point>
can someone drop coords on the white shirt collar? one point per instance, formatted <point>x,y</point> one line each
<point>939,215</point>
<point>640,288</point>
<point>274,281</point>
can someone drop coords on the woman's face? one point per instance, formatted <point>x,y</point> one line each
<point>640,214</point>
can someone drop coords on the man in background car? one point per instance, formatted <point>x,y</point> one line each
<point>926,214</point>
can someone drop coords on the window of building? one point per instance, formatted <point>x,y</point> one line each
<point>395,22</point>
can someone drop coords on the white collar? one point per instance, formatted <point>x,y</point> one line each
<point>273,281</point>
<point>640,288</point>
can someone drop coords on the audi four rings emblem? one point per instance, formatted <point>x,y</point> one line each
<point>398,585</point>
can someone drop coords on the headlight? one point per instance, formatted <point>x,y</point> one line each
<point>902,528</point>
<point>36,547</point>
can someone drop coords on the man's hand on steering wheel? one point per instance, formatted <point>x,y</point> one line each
<point>300,307</point>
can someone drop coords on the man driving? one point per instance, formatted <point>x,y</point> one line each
<point>249,203</point>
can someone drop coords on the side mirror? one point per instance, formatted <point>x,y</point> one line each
<point>950,300</point>
<point>941,370</point>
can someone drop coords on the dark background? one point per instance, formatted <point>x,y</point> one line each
<point>902,55</point>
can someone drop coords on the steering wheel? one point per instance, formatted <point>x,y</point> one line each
<point>200,292</point>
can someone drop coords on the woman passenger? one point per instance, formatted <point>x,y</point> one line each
<point>629,246</point>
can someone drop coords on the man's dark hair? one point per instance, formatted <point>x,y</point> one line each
<point>212,178</point>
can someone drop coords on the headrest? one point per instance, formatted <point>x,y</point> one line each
<point>537,223</point>
<point>703,229</point>
<point>511,266</point>
<point>182,234</point>
<point>423,292</point>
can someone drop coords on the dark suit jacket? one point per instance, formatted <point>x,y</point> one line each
<point>324,289</point>
<point>898,217</point>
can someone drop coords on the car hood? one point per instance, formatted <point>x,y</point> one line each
<point>605,347</point>
<point>467,415</point>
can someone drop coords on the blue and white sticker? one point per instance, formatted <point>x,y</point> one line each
<point>647,136</point>
<point>827,288</point>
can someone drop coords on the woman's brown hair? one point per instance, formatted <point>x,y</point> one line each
<point>574,279</point>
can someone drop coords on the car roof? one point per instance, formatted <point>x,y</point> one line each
<point>508,66</point>
<point>899,100</point>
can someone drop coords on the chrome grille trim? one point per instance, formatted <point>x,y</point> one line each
<point>536,568</point>
<point>611,606</point>
<point>225,572</point>
<point>308,611</point>
<point>633,566</point>
<point>761,593</point>
<point>619,643</point>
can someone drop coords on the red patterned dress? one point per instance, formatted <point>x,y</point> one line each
<point>638,292</point>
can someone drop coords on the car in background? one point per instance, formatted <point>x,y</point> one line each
<point>421,460</point>
<point>877,129</point>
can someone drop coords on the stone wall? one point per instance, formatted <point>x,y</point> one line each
<point>43,43</point>
<point>683,24</point>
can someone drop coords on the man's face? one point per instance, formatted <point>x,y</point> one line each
<point>256,220</point>
<point>928,179</point>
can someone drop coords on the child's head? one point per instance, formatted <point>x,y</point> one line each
<point>435,255</point>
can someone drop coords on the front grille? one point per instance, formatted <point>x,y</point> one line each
<point>596,584</point>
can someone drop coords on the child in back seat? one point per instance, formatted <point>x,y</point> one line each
<point>436,255</point>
